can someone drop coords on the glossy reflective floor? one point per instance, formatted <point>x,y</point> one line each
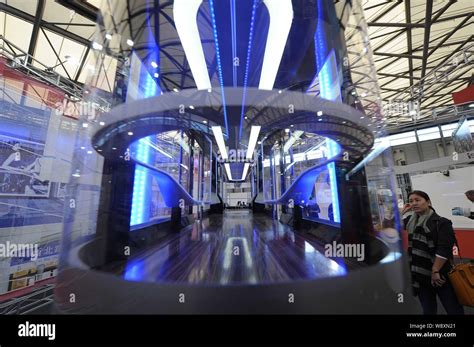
<point>234,248</point>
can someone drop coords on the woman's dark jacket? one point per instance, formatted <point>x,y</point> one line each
<point>424,246</point>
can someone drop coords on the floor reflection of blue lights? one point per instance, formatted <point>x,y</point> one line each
<point>234,251</point>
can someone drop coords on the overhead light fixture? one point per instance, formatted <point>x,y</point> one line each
<point>204,121</point>
<point>471,105</point>
<point>191,107</point>
<point>254,132</point>
<point>287,130</point>
<point>156,75</point>
<point>295,136</point>
<point>130,42</point>
<point>281,16</point>
<point>175,90</point>
<point>319,113</point>
<point>227,170</point>
<point>130,133</point>
<point>85,125</point>
<point>246,169</point>
<point>102,123</point>
<point>154,65</point>
<point>184,15</point>
<point>97,46</point>
<point>108,36</point>
<point>220,141</point>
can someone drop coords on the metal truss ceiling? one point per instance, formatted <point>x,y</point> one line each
<point>412,41</point>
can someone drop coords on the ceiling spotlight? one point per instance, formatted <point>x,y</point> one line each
<point>85,125</point>
<point>89,152</point>
<point>191,107</point>
<point>130,133</point>
<point>130,42</point>
<point>209,90</point>
<point>108,36</point>
<point>292,125</point>
<point>259,142</point>
<point>97,46</point>
<point>204,121</point>
<point>287,131</point>
<point>175,90</point>
<point>154,64</point>
<point>319,113</point>
<point>102,123</point>
<point>246,117</point>
<point>156,75</point>
<point>471,105</point>
<point>320,120</point>
<point>83,147</point>
<point>280,91</point>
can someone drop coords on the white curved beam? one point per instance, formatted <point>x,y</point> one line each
<point>281,16</point>
<point>185,20</point>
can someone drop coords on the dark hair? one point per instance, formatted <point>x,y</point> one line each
<point>422,194</point>
<point>419,193</point>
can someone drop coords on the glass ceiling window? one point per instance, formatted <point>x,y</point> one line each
<point>104,78</point>
<point>52,47</point>
<point>16,30</point>
<point>69,20</point>
<point>27,6</point>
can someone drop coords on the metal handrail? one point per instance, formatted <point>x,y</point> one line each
<point>22,59</point>
<point>28,303</point>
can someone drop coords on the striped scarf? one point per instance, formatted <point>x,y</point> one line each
<point>421,250</point>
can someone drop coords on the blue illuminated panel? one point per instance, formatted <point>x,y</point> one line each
<point>333,149</point>
<point>330,89</point>
<point>141,197</point>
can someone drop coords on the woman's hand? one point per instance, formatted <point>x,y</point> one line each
<point>406,208</point>
<point>436,280</point>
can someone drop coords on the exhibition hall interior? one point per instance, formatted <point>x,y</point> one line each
<point>235,156</point>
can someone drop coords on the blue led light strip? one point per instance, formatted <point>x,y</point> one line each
<point>233,28</point>
<point>249,49</point>
<point>219,66</point>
